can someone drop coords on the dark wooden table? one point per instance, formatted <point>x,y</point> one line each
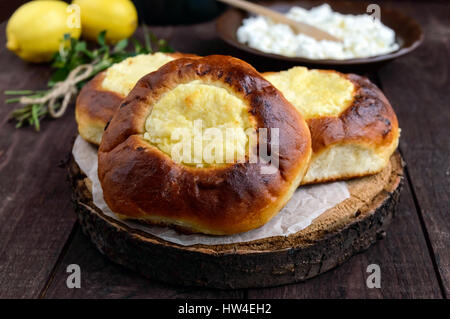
<point>39,234</point>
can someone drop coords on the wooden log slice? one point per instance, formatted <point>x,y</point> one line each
<point>340,232</point>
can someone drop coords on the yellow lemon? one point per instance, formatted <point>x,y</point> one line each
<point>118,17</point>
<point>35,30</point>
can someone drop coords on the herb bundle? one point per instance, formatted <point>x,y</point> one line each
<point>66,80</point>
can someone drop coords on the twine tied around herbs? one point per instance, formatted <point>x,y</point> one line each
<point>64,89</point>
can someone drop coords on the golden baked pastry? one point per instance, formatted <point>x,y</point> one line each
<point>100,98</point>
<point>140,178</point>
<point>354,129</point>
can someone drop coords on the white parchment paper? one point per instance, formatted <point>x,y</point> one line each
<point>307,203</point>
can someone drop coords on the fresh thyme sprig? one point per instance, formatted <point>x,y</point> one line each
<point>72,54</point>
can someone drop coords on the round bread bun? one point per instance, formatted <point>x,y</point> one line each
<point>99,99</point>
<point>141,181</point>
<point>354,130</point>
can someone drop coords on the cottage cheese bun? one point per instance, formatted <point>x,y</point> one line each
<point>143,178</point>
<point>100,97</point>
<point>354,129</point>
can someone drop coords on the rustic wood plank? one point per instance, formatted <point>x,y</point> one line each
<point>406,268</point>
<point>36,216</point>
<point>418,87</point>
<point>100,278</point>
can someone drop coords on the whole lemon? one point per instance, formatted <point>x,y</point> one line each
<point>118,17</point>
<point>35,30</point>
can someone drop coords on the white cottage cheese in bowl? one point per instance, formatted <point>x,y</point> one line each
<point>362,35</point>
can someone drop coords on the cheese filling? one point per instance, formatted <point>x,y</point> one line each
<point>122,77</point>
<point>200,124</point>
<point>314,93</point>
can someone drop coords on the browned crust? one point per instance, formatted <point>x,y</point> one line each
<point>95,103</point>
<point>140,181</point>
<point>369,119</point>
<point>96,106</point>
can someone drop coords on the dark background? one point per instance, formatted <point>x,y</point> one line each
<point>154,12</point>
<point>158,12</point>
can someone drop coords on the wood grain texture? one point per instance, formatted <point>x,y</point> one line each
<point>406,267</point>
<point>346,229</point>
<point>35,214</point>
<point>418,87</point>
<point>100,278</point>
